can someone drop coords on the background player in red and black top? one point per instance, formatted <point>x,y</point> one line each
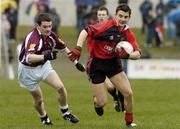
<point>105,61</point>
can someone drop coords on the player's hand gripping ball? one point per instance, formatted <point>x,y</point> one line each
<point>124,48</point>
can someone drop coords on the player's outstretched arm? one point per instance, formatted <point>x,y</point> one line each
<point>76,52</point>
<point>78,65</point>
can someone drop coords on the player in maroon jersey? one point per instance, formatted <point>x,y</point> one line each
<point>34,66</point>
<point>105,61</point>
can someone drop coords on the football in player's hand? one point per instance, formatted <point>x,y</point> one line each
<point>124,48</point>
<point>124,45</point>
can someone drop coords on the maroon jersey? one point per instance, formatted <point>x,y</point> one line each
<point>103,37</point>
<point>35,43</point>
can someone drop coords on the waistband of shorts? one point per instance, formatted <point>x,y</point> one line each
<point>31,66</point>
<point>106,59</point>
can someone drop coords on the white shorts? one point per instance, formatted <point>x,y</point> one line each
<point>29,77</point>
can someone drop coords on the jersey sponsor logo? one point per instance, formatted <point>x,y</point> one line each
<point>109,49</point>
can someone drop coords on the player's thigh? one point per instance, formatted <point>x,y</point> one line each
<point>54,80</point>
<point>100,92</point>
<point>108,84</point>
<point>122,83</point>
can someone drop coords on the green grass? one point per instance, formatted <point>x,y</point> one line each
<point>156,104</point>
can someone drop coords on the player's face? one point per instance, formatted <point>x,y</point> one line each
<point>122,17</point>
<point>102,15</point>
<point>45,28</point>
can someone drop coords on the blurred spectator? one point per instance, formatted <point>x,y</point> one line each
<point>36,7</point>
<point>43,6</point>
<point>150,30</point>
<point>5,24</point>
<point>174,17</point>
<point>9,9</point>
<point>158,35</point>
<point>11,12</point>
<point>92,16</point>
<point>98,3</point>
<point>83,7</point>
<point>153,31</point>
<point>6,3</point>
<point>6,43</point>
<point>32,9</point>
<point>160,7</point>
<point>122,1</point>
<point>86,12</point>
<point>145,7</point>
<point>45,2</point>
<point>159,28</point>
<point>170,6</point>
<point>172,3</point>
<point>55,20</point>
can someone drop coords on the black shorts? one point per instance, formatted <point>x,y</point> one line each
<point>98,69</point>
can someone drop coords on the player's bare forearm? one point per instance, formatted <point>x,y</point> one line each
<point>33,58</point>
<point>82,38</point>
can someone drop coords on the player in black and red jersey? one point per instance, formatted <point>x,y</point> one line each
<point>105,60</point>
<point>102,15</point>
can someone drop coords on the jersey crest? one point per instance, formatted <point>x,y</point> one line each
<point>32,46</point>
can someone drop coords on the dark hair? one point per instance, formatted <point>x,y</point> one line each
<point>102,8</point>
<point>43,17</point>
<point>124,7</point>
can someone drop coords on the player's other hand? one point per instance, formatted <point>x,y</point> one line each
<point>75,54</point>
<point>80,67</point>
<point>50,55</point>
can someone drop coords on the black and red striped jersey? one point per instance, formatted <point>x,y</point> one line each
<point>103,37</point>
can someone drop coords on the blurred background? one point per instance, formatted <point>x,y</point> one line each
<point>154,22</point>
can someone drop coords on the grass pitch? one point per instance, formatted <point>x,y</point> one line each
<point>156,104</point>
